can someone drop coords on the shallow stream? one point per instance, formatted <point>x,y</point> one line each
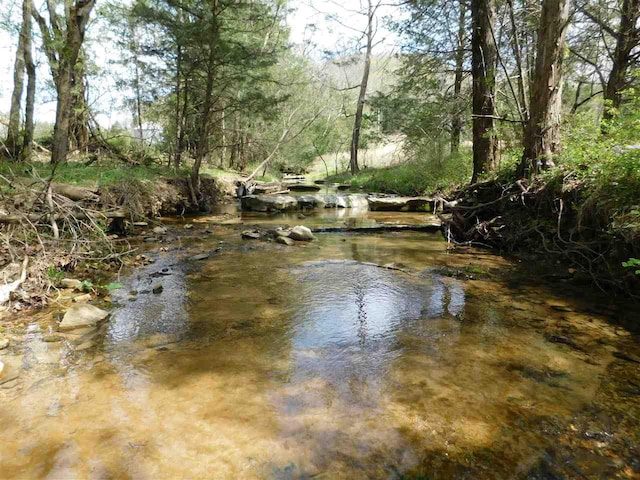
<point>377,356</point>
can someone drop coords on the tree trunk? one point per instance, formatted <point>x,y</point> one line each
<point>13,142</point>
<point>627,40</point>
<point>355,138</point>
<point>63,66</point>
<point>27,141</point>
<point>542,133</point>
<point>457,121</point>
<point>483,69</point>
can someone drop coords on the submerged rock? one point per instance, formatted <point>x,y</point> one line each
<point>71,283</point>
<point>4,343</point>
<point>285,240</point>
<point>82,315</point>
<point>9,370</point>
<point>301,233</point>
<point>201,256</point>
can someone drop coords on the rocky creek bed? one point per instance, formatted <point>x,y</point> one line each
<point>357,354</point>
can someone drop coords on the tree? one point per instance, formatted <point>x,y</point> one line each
<point>13,142</point>
<point>483,69</point>
<point>62,42</point>
<point>357,123</point>
<point>542,133</point>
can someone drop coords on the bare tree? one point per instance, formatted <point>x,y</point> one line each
<point>357,124</point>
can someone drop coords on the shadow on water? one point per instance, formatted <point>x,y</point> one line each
<point>350,357</point>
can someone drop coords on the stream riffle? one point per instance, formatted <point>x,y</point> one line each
<point>354,356</point>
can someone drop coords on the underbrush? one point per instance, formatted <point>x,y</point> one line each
<point>415,177</point>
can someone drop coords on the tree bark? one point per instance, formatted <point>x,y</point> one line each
<point>542,133</point>
<point>627,39</point>
<point>355,138</point>
<point>27,141</point>
<point>13,142</point>
<point>63,60</point>
<point>483,69</point>
<point>457,121</point>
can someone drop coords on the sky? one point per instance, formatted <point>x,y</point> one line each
<point>317,26</point>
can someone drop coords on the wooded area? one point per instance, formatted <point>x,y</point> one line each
<point>515,92</point>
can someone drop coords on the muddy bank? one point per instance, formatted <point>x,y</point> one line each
<point>557,224</point>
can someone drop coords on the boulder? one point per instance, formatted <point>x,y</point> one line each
<point>301,233</point>
<point>311,201</point>
<point>400,204</point>
<point>269,203</point>
<point>285,240</point>
<point>82,315</point>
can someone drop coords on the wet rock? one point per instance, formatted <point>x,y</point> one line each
<point>201,256</point>
<point>82,315</point>
<point>157,289</point>
<point>83,298</point>
<point>251,235</point>
<point>269,203</point>
<point>71,283</point>
<point>9,370</point>
<point>4,343</point>
<point>159,230</point>
<point>301,233</point>
<point>400,204</point>
<point>51,338</point>
<point>285,241</point>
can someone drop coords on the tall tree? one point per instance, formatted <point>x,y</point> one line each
<point>62,44</point>
<point>457,121</point>
<point>357,123</point>
<point>483,69</point>
<point>542,132</point>
<point>13,142</point>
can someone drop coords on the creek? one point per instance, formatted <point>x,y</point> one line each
<point>352,356</point>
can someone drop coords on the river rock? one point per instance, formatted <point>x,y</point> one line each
<point>157,289</point>
<point>301,233</point>
<point>159,230</point>
<point>400,204</point>
<point>82,315</point>
<point>285,240</point>
<point>251,235</point>
<point>4,343</point>
<point>201,256</point>
<point>269,203</point>
<point>9,370</point>
<point>311,201</point>
<point>71,283</point>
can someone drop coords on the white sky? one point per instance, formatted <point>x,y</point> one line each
<point>317,25</point>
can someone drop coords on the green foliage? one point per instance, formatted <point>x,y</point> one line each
<point>417,177</point>
<point>55,275</point>
<point>633,263</point>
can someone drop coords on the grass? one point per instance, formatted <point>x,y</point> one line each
<point>417,177</point>
<point>78,173</point>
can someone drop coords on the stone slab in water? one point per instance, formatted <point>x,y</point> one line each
<point>300,187</point>
<point>284,203</point>
<point>400,204</point>
<point>82,315</point>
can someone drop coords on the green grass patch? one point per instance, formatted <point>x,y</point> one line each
<point>417,177</point>
<point>80,174</point>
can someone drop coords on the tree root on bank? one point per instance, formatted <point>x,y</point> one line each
<point>552,218</point>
